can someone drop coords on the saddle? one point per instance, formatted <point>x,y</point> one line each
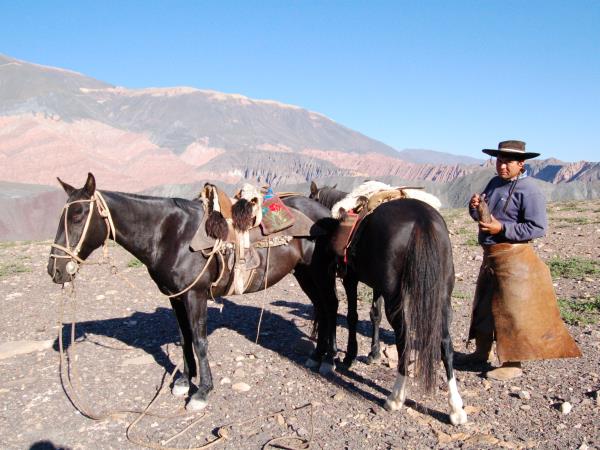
<point>241,245</point>
<point>350,221</point>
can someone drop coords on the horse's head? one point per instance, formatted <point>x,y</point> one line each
<point>316,192</point>
<point>81,230</point>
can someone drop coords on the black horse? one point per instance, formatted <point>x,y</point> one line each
<point>402,250</point>
<point>158,232</point>
<point>329,196</point>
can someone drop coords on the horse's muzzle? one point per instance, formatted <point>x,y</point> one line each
<point>62,272</point>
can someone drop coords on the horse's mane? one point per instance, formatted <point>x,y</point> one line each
<point>181,203</point>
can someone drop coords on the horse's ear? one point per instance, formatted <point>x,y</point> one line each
<point>90,184</point>
<point>334,186</point>
<point>67,187</point>
<point>313,188</point>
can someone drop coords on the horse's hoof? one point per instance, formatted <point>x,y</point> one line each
<point>347,362</point>
<point>326,369</point>
<point>180,388</point>
<point>392,405</point>
<point>458,417</point>
<point>311,363</point>
<point>196,404</point>
<point>373,358</point>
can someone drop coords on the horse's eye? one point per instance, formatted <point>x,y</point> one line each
<point>77,215</point>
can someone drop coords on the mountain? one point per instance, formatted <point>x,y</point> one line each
<point>422,156</point>
<point>56,122</point>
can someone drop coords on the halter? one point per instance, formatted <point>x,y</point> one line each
<point>72,253</point>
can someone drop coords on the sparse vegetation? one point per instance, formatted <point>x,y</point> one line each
<point>580,311</point>
<point>465,231</point>
<point>7,269</point>
<point>364,293</point>
<point>451,214</point>
<point>459,294</point>
<point>575,220</point>
<point>472,241</point>
<point>134,262</point>
<point>573,267</point>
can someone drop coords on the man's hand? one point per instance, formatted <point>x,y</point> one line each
<point>493,227</point>
<point>474,202</point>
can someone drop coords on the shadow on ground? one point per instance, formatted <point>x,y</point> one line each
<point>150,332</point>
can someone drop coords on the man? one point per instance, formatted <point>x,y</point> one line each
<point>514,300</point>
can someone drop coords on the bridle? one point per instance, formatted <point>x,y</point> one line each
<point>72,253</point>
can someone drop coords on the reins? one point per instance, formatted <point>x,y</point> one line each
<point>72,253</point>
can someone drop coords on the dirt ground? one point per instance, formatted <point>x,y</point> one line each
<point>127,344</point>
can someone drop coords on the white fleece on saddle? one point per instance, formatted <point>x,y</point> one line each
<point>369,188</point>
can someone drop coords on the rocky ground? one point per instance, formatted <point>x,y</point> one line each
<point>127,342</point>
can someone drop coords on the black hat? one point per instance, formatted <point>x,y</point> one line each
<point>512,149</point>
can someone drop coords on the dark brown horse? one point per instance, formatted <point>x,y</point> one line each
<point>402,250</point>
<point>158,232</point>
<point>329,196</point>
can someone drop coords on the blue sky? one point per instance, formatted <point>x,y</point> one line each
<point>453,76</point>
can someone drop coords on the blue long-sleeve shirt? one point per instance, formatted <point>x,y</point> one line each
<point>523,219</point>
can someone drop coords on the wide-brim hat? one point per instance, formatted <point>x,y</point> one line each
<point>512,149</point>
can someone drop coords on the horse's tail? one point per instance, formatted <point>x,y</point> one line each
<point>424,294</point>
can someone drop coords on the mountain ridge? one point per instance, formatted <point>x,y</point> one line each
<point>58,122</point>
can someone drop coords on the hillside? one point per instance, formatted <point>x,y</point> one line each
<point>169,141</point>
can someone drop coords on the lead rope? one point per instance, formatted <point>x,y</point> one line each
<point>262,308</point>
<point>71,387</point>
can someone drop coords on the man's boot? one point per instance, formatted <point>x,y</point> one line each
<point>481,355</point>
<point>507,371</point>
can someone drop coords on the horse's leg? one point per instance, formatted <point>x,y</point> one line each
<point>310,288</point>
<point>181,385</point>
<point>350,286</point>
<point>375,313</point>
<point>331,302</point>
<point>458,416</point>
<point>396,398</point>
<point>197,310</point>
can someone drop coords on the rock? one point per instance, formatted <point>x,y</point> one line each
<point>470,409</point>
<point>9,349</point>
<point>481,439</point>
<point>524,395</point>
<point>225,380</point>
<point>240,358</point>
<point>391,352</point>
<point>525,407</point>
<point>566,408</point>
<point>239,373</point>
<point>280,420</point>
<point>443,438</point>
<point>240,387</point>
<point>338,396</point>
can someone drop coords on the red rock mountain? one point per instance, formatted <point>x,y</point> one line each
<point>55,122</point>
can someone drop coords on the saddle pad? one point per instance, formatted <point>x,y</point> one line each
<point>202,241</point>
<point>343,235</point>
<point>276,216</point>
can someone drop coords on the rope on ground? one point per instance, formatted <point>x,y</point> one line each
<point>264,296</point>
